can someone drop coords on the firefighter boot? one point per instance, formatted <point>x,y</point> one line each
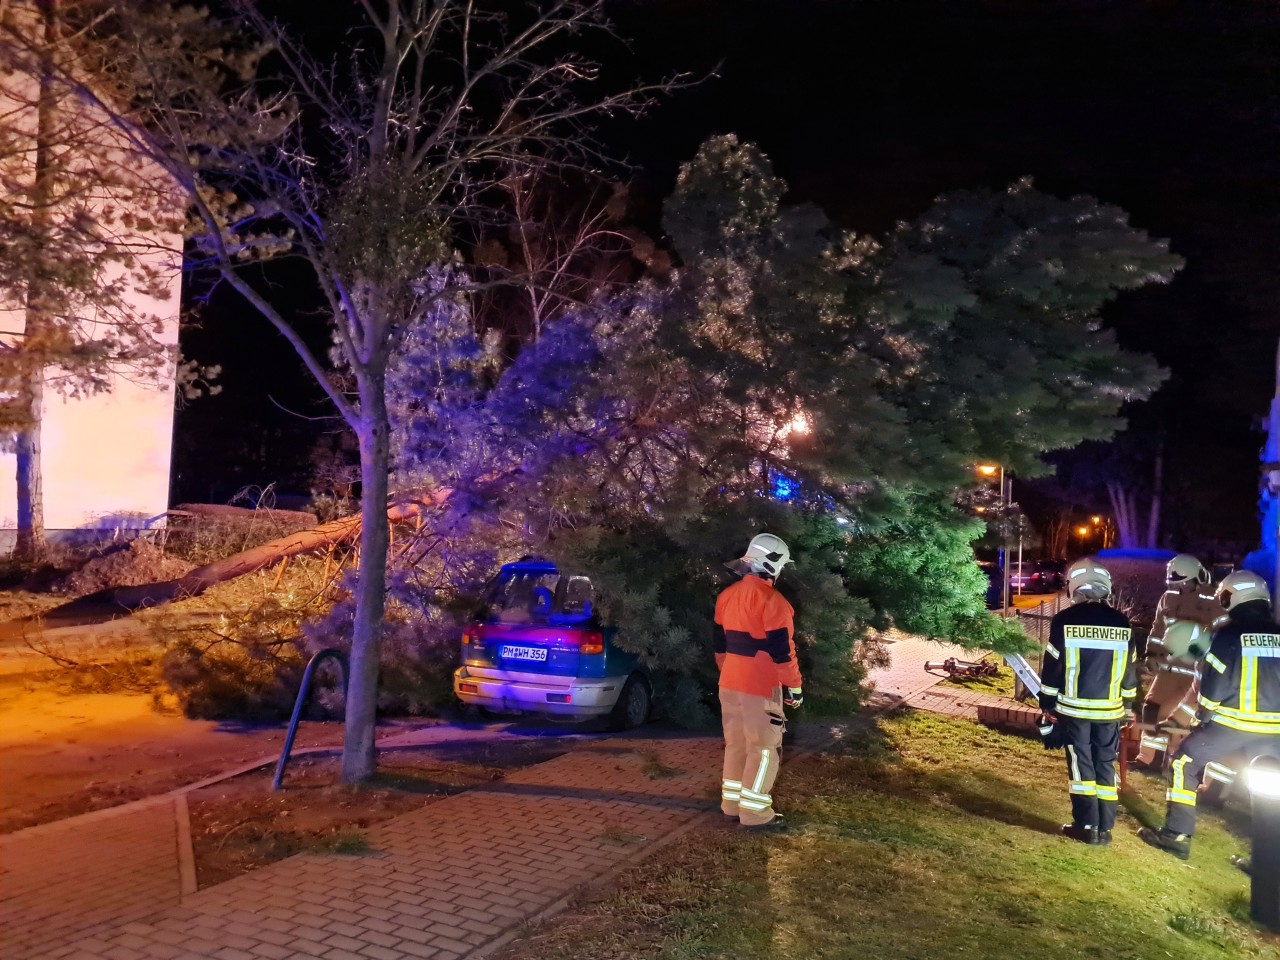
<point>1104,838</point>
<point>1178,844</point>
<point>776,825</point>
<point>1087,835</point>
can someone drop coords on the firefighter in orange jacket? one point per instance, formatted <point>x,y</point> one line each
<point>756,654</point>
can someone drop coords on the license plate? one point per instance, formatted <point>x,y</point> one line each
<point>538,654</point>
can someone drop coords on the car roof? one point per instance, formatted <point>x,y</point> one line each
<point>531,564</point>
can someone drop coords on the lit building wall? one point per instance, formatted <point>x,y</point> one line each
<point>105,456</point>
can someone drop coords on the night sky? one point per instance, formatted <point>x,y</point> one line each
<point>1168,108</point>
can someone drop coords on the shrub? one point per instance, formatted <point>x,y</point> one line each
<point>418,654</point>
<point>247,669</point>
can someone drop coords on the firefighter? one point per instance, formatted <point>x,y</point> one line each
<point>759,675</point>
<point>1184,617</point>
<point>1089,682</point>
<point>1188,596</point>
<point>1239,705</point>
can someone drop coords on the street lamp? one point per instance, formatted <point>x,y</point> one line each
<point>1263,779</point>
<point>991,470</point>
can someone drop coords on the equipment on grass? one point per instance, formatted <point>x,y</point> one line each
<point>964,669</point>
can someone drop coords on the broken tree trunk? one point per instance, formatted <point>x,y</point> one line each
<point>199,580</point>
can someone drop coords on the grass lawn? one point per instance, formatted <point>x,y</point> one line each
<point>925,838</point>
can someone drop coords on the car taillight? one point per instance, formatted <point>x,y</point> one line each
<point>472,637</point>
<point>592,643</point>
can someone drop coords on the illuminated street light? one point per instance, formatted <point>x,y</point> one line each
<point>1082,531</point>
<point>799,425</point>
<point>1263,780</point>
<point>1096,520</point>
<point>1006,498</point>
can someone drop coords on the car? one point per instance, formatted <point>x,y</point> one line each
<point>536,646</point>
<point>1028,577</point>
<point>1055,573</point>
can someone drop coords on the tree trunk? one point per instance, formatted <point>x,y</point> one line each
<point>1157,483</point>
<point>359,758</point>
<point>30,489</point>
<point>31,540</point>
<point>1122,505</point>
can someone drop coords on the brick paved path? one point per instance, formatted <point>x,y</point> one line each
<point>455,878</point>
<point>905,676</point>
<point>84,876</point>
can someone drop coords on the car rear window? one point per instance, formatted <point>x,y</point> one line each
<point>537,596</point>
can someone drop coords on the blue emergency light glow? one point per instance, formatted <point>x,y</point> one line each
<point>784,488</point>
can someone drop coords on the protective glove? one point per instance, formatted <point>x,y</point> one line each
<point>792,697</point>
<point>1051,733</point>
<point>1203,716</point>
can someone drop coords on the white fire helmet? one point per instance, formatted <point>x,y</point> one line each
<point>1185,640</point>
<point>1185,567</point>
<point>1241,587</point>
<point>766,554</point>
<point>1088,580</point>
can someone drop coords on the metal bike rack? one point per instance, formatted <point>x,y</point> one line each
<point>303,691</point>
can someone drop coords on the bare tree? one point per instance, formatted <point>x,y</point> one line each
<point>367,171</point>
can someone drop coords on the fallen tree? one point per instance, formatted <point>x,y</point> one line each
<point>334,533</point>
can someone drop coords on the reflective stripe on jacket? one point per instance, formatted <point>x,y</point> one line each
<point>1090,665</point>
<point>1240,676</point>
<point>754,643</point>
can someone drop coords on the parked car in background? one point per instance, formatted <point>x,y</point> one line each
<point>1055,573</point>
<point>536,646</point>
<point>1033,577</point>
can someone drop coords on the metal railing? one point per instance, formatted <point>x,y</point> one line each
<point>1040,615</point>
<point>303,691</point>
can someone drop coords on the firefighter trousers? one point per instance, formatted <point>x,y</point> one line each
<point>1207,743</point>
<point>1092,747</point>
<point>753,729</point>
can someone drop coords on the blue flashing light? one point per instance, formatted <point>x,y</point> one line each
<point>784,488</point>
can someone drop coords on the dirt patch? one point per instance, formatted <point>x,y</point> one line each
<point>128,565</point>
<point>64,754</point>
<point>240,825</point>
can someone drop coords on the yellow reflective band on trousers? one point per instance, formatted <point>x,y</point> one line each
<point>1084,788</point>
<point>753,728</point>
<point>1178,792</point>
<point>1106,792</point>
<point>755,801</point>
